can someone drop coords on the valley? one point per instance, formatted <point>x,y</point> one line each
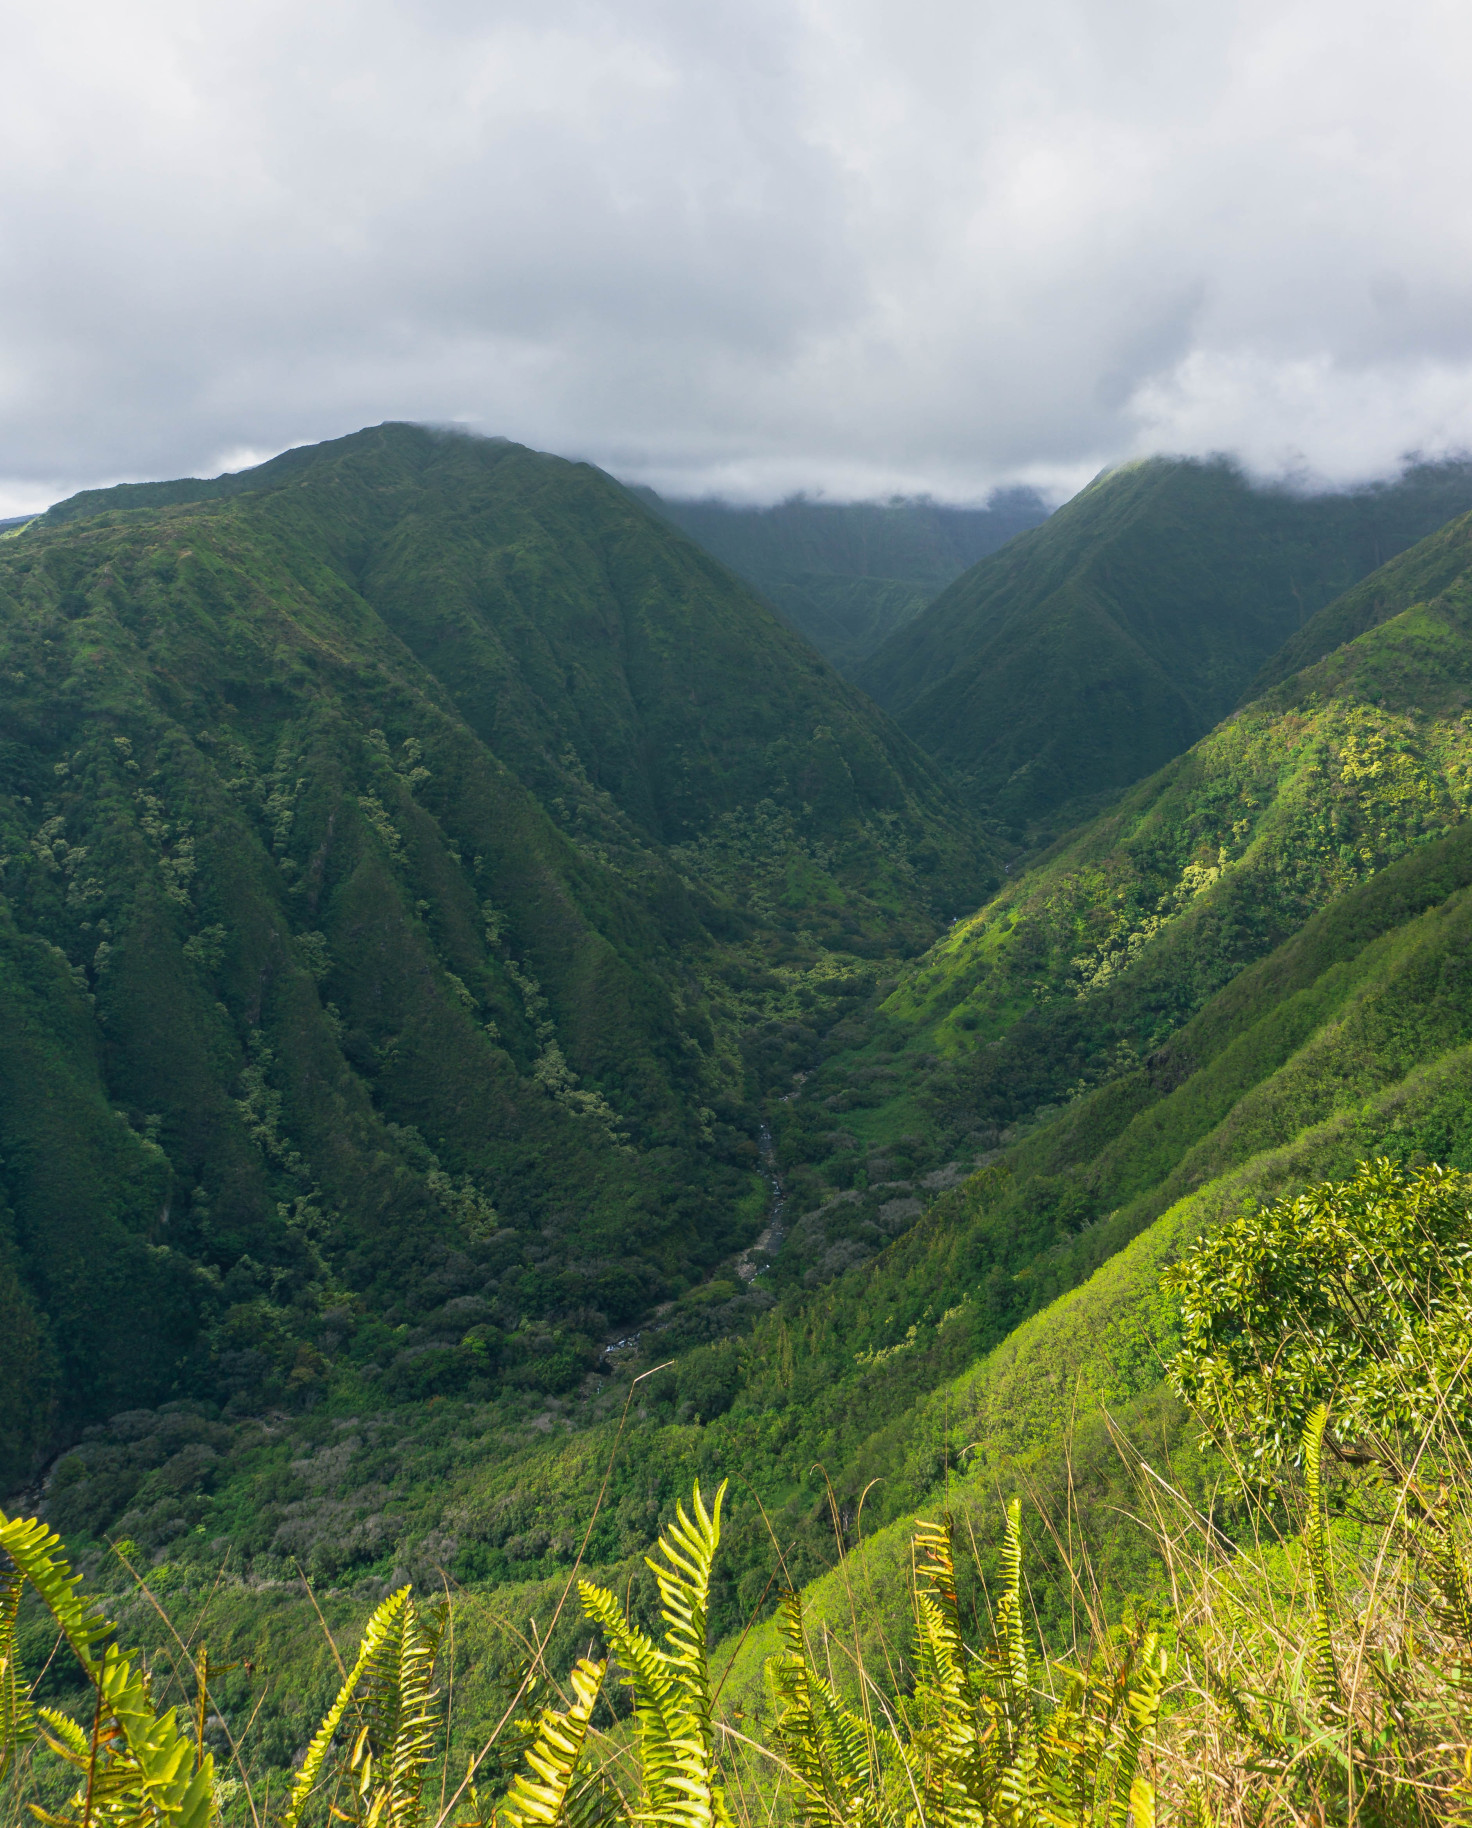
<point>499,1026</point>
<point>848,575</point>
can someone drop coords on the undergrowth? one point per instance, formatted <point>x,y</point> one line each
<point>1309,1660</point>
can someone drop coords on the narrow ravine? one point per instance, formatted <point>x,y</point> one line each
<point>750,1263</point>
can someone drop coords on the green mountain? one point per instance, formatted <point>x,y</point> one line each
<point>1247,974</point>
<point>848,574</point>
<point>415,856</point>
<point>1090,651</point>
<point>1087,964</point>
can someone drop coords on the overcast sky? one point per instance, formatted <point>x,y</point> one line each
<point>737,246</point>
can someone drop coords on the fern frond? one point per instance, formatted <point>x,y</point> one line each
<point>155,1768</point>
<point>1007,1620</point>
<point>1316,1546</point>
<point>142,1771</point>
<point>1131,1792</point>
<point>828,1748</point>
<point>689,1549</point>
<point>376,1635</point>
<point>64,1736</point>
<point>398,1710</point>
<point>15,1700</point>
<point>940,1655</point>
<point>1453,1608</point>
<point>541,1800</point>
<point>646,1669</point>
<point>33,1548</point>
<point>954,1768</point>
<point>673,1703</point>
<point>1141,1811</point>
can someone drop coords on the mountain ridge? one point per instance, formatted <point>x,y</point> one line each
<point>431,805</point>
<point>1093,648</point>
<point>846,575</point>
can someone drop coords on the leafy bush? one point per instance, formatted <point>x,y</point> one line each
<point>1357,1294</point>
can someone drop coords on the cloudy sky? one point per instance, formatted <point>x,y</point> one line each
<point>741,246</point>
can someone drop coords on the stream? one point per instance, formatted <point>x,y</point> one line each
<point>770,1241</point>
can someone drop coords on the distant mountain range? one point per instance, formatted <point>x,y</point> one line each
<point>1089,651</point>
<point>848,574</point>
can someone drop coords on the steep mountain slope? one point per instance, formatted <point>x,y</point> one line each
<point>1090,651</point>
<point>1350,1036</point>
<point>847,575</point>
<point>906,1377</point>
<point>1084,966</point>
<point>1249,975</point>
<point>411,851</point>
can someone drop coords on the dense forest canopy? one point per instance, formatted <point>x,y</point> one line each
<point>407,844</point>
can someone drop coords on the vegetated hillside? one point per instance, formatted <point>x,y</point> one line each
<point>1079,970</point>
<point>907,1379</point>
<point>848,574</point>
<point>1251,975</point>
<point>415,855</point>
<point>1089,652</point>
<point>1083,987</point>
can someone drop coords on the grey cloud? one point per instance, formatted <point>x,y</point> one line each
<point>763,246</point>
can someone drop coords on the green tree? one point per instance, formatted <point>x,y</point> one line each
<point>1355,1294</point>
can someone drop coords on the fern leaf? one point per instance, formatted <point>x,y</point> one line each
<point>64,1736</point>
<point>163,1780</point>
<point>689,1550</point>
<point>143,1769</point>
<point>954,1769</point>
<point>541,1799</point>
<point>1008,1617</point>
<point>1226,1693</point>
<point>645,1668</point>
<point>1141,1711</point>
<point>827,1747</point>
<point>940,1654</point>
<point>15,1699</point>
<point>673,1703</point>
<point>34,1550</point>
<point>1453,1611</point>
<point>1316,1544</point>
<point>383,1623</point>
<point>398,1708</point>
